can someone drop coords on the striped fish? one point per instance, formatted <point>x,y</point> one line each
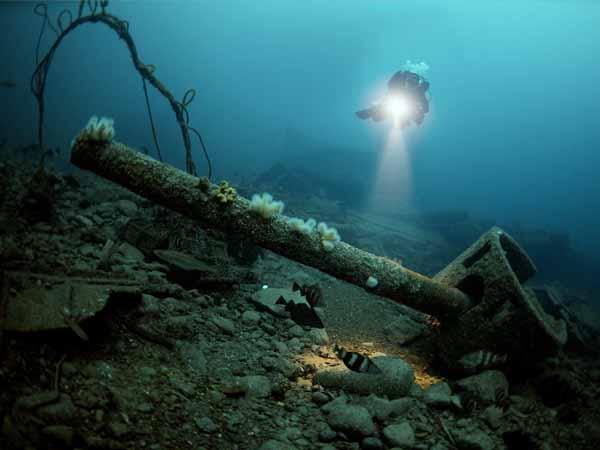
<point>301,313</point>
<point>355,361</point>
<point>480,360</point>
<point>312,293</point>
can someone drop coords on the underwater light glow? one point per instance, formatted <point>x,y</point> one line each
<point>399,107</point>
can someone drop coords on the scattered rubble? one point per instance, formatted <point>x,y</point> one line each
<point>185,349</point>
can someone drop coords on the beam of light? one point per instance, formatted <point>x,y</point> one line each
<point>392,189</point>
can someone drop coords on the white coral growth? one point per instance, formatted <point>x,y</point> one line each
<point>372,282</point>
<point>301,226</point>
<point>99,129</point>
<point>329,236</point>
<point>264,205</point>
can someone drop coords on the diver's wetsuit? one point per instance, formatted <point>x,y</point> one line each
<point>414,85</point>
<point>402,82</point>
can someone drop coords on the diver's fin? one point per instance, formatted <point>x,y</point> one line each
<point>364,113</point>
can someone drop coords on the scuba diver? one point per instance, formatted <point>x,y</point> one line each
<point>404,102</point>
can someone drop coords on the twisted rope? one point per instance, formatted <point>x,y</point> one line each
<point>121,27</point>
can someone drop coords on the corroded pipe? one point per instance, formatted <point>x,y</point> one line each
<point>188,195</point>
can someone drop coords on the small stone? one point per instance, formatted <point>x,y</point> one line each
<point>225,325</point>
<point>69,369</point>
<point>399,435</point>
<point>257,386</point>
<point>206,425</point>
<point>320,398</point>
<point>251,317</point>
<point>473,438</point>
<point>84,221</point>
<point>127,208</point>
<point>372,443</point>
<point>438,395</point>
<point>117,429</point>
<point>327,435</point>
<point>63,411</point>
<point>493,416</point>
<point>272,444</point>
<point>318,336</point>
<point>296,331</point>
<point>145,407</point>
<point>354,421</point>
<point>147,372</point>
<point>60,433</point>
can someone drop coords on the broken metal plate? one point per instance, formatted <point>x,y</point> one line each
<point>267,300</point>
<point>32,302</point>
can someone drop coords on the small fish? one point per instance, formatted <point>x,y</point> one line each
<point>480,360</point>
<point>303,314</point>
<point>355,361</point>
<point>312,293</point>
<point>8,83</point>
<point>502,398</point>
<point>469,402</point>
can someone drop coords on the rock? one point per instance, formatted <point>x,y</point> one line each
<point>379,408</point>
<point>337,402</point>
<point>257,386</point>
<point>399,435</point>
<point>318,336</point>
<point>182,386</point>
<point>320,398</point>
<point>251,317</point>
<point>472,438</point>
<point>395,381</point>
<point>293,433</point>
<point>88,250</point>
<point>194,357</point>
<point>206,425</point>
<point>60,433</point>
<point>484,386</point>
<point>438,395</point>
<point>117,429</point>
<point>402,406</point>
<point>127,208</point>
<point>145,407</point>
<point>352,420</point>
<point>130,253</point>
<point>493,416</point>
<point>403,330</point>
<point>281,347</point>
<point>272,444</point>
<point>327,435</point>
<point>225,325</point>
<point>84,221</point>
<point>372,443</point>
<point>11,433</point>
<point>147,372</point>
<point>32,401</point>
<point>296,331</point>
<point>149,305</point>
<point>63,411</point>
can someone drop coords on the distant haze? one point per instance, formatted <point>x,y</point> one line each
<point>513,134</point>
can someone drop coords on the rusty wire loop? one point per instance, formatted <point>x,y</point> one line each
<point>121,27</point>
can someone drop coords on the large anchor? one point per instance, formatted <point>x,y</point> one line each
<point>479,298</point>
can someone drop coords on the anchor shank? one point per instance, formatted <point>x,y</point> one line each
<point>183,193</point>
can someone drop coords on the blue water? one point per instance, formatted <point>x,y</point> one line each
<point>512,136</point>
